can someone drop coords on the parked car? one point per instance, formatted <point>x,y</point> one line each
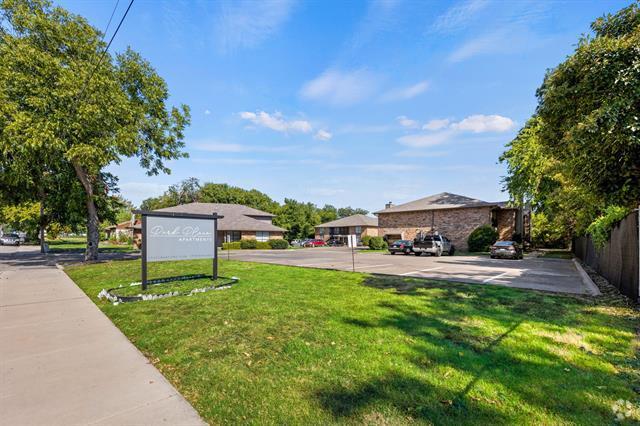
<point>335,242</point>
<point>401,246</point>
<point>314,243</point>
<point>10,240</point>
<point>506,249</point>
<point>297,243</point>
<point>433,244</point>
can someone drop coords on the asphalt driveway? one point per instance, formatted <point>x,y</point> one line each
<point>555,275</point>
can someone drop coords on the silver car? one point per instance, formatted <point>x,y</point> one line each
<point>10,240</point>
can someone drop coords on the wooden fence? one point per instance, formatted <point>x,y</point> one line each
<point>618,261</point>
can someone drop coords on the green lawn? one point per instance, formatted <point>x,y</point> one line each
<point>291,345</point>
<point>79,244</point>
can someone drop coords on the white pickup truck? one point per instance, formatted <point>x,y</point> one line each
<point>435,245</point>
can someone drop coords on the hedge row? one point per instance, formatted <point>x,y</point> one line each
<point>253,244</point>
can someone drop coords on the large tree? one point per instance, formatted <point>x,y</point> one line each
<point>581,151</point>
<point>67,101</point>
<point>590,109</point>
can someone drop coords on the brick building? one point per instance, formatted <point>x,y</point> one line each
<point>239,222</point>
<point>454,216</point>
<point>358,224</point>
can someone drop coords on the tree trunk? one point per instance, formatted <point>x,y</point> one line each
<point>93,223</point>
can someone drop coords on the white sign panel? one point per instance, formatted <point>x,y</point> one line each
<point>352,241</point>
<point>178,238</point>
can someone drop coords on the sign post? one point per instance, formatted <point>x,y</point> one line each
<point>178,236</point>
<point>352,241</point>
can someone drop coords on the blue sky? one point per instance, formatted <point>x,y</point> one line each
<point>347,103</point>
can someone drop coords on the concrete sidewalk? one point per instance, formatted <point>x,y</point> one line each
<point>63,362</point>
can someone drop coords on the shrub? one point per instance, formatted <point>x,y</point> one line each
<point>263,245</point>
<point>377,243</point>
<point>279,244</point>
<point>602,226</point>
<point>482,238</point>
<point>235,245</point>
<point>123,238</point>
<point>248,244</point>
<point>365,240</point>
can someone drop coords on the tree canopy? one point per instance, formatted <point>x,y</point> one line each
<point>298,218</point>
<point>64,103</point>
<point>580,152</point>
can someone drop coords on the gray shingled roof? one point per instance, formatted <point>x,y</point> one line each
<point>236,216</point>
<point>355,220</point>
<point>444,200</point>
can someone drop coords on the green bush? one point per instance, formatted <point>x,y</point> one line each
<point>235,245</point>
<point>248,244</point>
<point>263,245</point>
<point>123,238</point>
<point>279,244</point>
<point>600,228</point>
<point>482,238</point>
<point>366,240</point>
<point>377,243</point>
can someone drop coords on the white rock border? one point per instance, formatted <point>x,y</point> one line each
<point>115,299</point>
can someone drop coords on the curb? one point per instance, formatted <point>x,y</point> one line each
<point>592,288</point>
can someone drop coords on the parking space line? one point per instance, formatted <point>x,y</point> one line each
<point>496,277</point>
<point>373,266</point>
<point>422,270</point>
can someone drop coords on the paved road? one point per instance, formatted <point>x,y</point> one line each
<point>62,362</point>
<point>556,275</point>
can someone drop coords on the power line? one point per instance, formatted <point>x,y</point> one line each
<point>104,52</point>
<point>113,12</point>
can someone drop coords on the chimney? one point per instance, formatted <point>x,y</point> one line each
<point>388,205</point>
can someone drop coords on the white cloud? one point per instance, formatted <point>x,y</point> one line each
<point>436,124</point>
<point>341,87</point>
<point>380,17</point>
<point>404,93</point>
<point>441,131</point>
<point>456,17</point>
<point>276,122</point>
<point>323,135</point>
<point>407,122</point>
<point>484,123</point>
<point>495,42</point>
<point>248,23</point>
<point>207,112</point>
<point>424,140</point>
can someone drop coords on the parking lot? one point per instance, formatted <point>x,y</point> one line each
<point>556,275</point>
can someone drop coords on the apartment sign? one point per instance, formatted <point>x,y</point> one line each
<point>179,238</point>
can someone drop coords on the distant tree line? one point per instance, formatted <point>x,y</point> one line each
<point>298,218</point>
<point>577,160</point>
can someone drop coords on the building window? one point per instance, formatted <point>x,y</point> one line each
<point>358,230</point>
<point>233,236</point>
<point>262,236</point>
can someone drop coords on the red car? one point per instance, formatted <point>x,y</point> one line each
<point>314,243</point>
